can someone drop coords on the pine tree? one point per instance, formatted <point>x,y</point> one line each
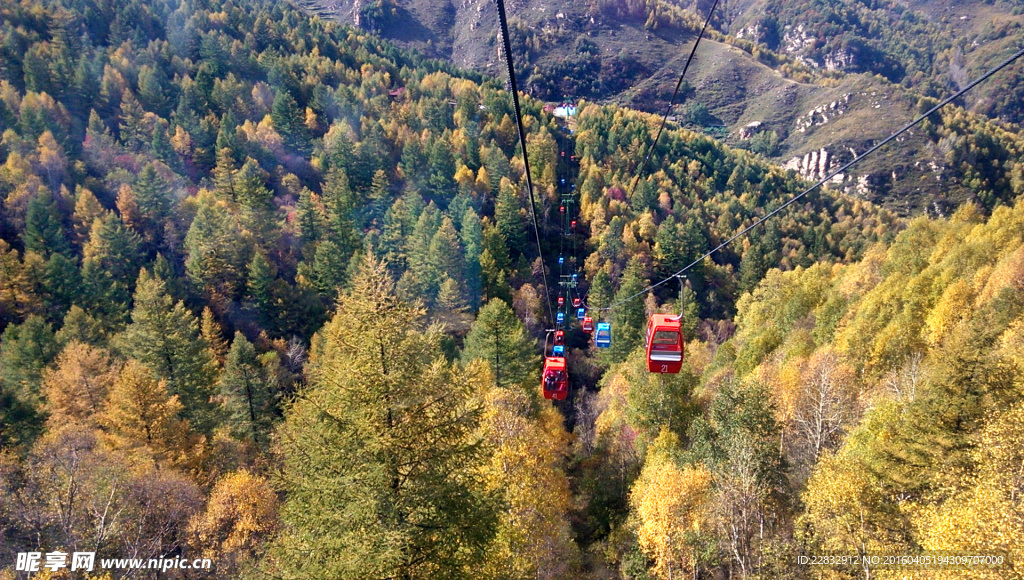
<point>471,234</point>
<point>44,231</point>
<point>248,393</point>
<point>25,350</point>
<point>499,338</point>
<point>330,266</point>
<point>153,196</point>
<point>131,128</point>
<point>110,265</point>
<point>165,337</point>
<point>258,292</point>
<point>379,197</point>
<point>444,256</point>
<point>160,146</point>
<point>341,202</point>
<point>79,326</point>
<point>509,219</point>
<point>442,170</point>
<point>256,202</point>
<point>151,90</point>
<point>371,155</point>
<point>341,153</point>
<point>224,174</point>
<point>62,281</point>
<point>378,460</point>
<point>309,218</point>
<point>399,222</point>
<point>628,320</point>
<point>289,122</point>
<point>216,258</point>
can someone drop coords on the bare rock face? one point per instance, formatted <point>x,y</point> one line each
<point>749,130</point>
<point>812,166</point>
<point>822,114</point>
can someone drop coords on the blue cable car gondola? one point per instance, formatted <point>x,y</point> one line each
<point>560,317</point>
<point>558,349</point>
<point>603,335</point>
<point>581,313</point>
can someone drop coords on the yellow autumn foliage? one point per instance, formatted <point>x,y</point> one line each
<point>526,470</point>
<point>671,506</point>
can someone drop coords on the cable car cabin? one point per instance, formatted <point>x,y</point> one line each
<point>664,344</point>
<point>555,379</point>
<point>561,301</point>
<point>560,317</point>
<point>588,324</point>
<point>576,302</point>
<point>603,336</point>
<point>581,313</point>
<point>559,337</point>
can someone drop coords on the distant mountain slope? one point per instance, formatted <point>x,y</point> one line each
<point>794,81</point>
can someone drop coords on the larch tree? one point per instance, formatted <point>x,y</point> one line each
<point>76,388</point>
<point>527,452</point>
<point>240,517</point>
<point>379,459</point>
<point>87,210</point>
<point>142,418</point>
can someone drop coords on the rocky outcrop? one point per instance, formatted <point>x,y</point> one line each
<point>822,114</point>
<point>813,166</point>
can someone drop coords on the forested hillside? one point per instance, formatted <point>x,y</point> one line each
<point>269,295</point>
<point>810,84</point>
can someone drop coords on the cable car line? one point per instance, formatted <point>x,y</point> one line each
<point>825,179</point>
<point>672,101</point>
<point>522,142</point>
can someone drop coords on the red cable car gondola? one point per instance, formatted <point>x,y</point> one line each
<point>664,344</point>
<point>561,301</point>
<point>555,380</point>
<point>559,337</point>
<point>588,324</point>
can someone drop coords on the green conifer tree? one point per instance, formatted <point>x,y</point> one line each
<point>248,393</point>
<point>44,232</point>
<point>110,265</point>
<point>380,467</point>
<point>499,338</point>
<point>290,122</point>
<point>164,336</point>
